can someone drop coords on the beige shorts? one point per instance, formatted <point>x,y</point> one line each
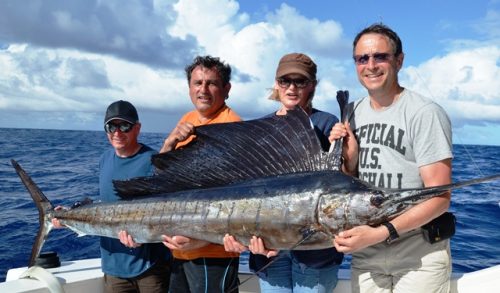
<point>409,264</point>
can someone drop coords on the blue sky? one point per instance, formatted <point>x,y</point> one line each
<point>62,62</point>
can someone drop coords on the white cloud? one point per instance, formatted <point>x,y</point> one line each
<point>78,58</point>
<point>81,78</point>
<point>489,25</point>
<point>67,80</point>
<point>134,30</point>
<point>308,35</point>
<point>206,20</point>
<point>465,82</point>
<point>254,49</point>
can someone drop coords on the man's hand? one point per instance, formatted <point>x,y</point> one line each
<point>257,247</point>
<point>127,240</point>
<point>183,243</point>
<point>349,147</point>
<point>359,237</point>
<point>181,132</point>
<point>55,221</point>
<point>231,245</point>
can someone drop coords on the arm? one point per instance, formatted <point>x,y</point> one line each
<point>357,238</point>
<point>438,173</point>
<point>181,132</point>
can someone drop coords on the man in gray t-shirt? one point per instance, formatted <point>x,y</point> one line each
<point>395,139</point>
<point>394,143</point>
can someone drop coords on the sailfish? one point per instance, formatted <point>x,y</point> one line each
<point>267,177</point>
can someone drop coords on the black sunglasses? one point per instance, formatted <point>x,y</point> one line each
<point>124,127</point>
<point>298,82</point>
<point>377,57</point>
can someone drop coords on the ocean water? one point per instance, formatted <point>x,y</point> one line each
<point>64,164</point>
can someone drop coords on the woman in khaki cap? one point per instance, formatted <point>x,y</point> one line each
<point>295,270</point>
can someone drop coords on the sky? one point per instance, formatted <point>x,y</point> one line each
<point>63,62</point>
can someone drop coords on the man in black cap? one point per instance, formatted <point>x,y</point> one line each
<point>127,266</point>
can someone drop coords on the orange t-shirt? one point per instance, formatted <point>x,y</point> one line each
<point>224,115</point>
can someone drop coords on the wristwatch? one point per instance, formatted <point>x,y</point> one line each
<point>393,234</point>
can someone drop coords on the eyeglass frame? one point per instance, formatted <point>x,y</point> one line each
<point>123,126</point>
<point>289,81</point>
<point>377,58</point>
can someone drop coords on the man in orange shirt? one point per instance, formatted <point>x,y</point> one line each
<point>200,266</point>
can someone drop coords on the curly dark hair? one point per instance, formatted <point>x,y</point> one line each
<point>382,29</point>
<point>208,61</point>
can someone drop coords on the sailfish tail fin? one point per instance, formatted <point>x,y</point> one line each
<point>42,204</point>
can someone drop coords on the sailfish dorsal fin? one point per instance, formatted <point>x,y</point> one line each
<point>228,153</point>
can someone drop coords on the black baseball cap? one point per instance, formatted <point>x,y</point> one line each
<point>122,110</point>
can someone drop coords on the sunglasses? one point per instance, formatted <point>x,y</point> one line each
<point>377,57</point>
<point>299,82</point>
<point>124,127</point>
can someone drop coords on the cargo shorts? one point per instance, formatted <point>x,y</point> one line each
<point>409,264</point>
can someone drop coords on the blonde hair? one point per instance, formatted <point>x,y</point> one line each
<point>275,96</point>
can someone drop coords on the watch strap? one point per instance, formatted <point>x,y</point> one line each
<point>393,234</point>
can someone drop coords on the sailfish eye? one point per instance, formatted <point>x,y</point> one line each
<point>377,198</point>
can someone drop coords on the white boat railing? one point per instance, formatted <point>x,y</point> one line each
<point>83,276</point>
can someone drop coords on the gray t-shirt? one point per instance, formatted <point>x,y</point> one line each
<point>394,142</point>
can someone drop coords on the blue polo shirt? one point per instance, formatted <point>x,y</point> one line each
<point>117,259</point>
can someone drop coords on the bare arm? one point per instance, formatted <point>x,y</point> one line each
<point>438,173</point>
<point>357,238</point>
